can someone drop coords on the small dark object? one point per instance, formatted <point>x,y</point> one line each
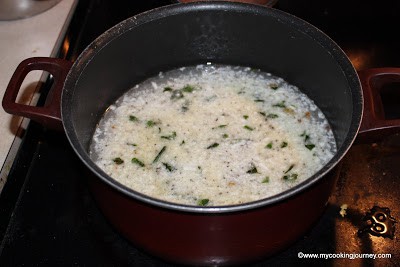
<point>378,222</point>
<point>118,161</point>
<point>203,202</point>
<point>169,167</point>
<point>253,170</point>
<point>159,154</point>
<point>213,145</point>
<point>138,162</point>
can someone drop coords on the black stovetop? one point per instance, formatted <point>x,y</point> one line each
<point>48,216</point>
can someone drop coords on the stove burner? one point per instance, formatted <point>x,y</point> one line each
<point>378,222</point>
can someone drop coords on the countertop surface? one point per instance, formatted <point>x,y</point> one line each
<point>20,39</point>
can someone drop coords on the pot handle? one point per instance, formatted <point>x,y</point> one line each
<point>50,114</point>
<point>374,125</point>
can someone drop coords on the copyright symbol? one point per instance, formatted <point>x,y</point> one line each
<point>300,255</point>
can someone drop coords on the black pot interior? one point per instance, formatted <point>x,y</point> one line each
<point>187,34</point>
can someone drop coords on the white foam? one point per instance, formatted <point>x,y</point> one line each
<point>234,107</point>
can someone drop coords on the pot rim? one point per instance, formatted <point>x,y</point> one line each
<point>176,9</point>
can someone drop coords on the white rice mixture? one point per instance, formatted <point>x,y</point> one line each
<point>212,135</point>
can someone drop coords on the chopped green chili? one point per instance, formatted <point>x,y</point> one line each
<point>133,118</point>
<point>307,144</point>
<point>248,128</point>
<point>150,123</point>
<point>138,162</point>
<point>169,137</point>
<point>310,146</point>
<point>245,117</point>
<point>131,144</point>
<point>290,168</point>
<point>284,144</point>
<point>252,170</point>
<point>280,104</point>
<point>169,167</point>
<point>167,89</point>
<point>203,202</point>
<point>213,145</point>
<point>305,135</point>
<point>188,89</point>
<point>118,161</point>
<point>225,136</point>
<point>265,180</point>
<point>290,177</point>
<point>272,116</point>
<point>220,126</point>
<point>159,154</point>
<point>259,100</point>
<point>269,145</point>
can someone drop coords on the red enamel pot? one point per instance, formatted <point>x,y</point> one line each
<point>218,32</point>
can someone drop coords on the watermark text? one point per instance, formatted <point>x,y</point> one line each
<point>350,256</point>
